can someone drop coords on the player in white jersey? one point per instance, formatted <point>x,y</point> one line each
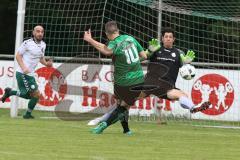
<point>28,55</point>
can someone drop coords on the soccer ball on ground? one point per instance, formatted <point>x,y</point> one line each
<point>187,71</point>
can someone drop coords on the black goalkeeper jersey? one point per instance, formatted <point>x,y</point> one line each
<point>165,64</point>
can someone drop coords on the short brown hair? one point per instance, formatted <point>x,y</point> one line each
<point>168,30</point>
<point>111,27</point>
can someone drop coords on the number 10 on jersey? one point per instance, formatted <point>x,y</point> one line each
<point>131,54</point>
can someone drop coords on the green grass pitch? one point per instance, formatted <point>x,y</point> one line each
<point>54,139</point>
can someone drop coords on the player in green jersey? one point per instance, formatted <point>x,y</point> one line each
<point>126,52</point>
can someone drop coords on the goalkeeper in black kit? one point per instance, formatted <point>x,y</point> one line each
<point>163,71</point>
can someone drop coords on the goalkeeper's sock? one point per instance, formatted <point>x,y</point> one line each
<point>116,115</point>
<point>124,122</point>
<point>186,102</point>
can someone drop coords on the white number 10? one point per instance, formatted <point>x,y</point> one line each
<point>131,54</point>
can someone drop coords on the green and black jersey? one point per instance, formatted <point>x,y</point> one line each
<point>127,66</point>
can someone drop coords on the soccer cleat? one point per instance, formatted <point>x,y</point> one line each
<point>6,94</point>
<point>203,107</point>
<point>28,116</point>
<point>94,122</point>
<point>129,133</point>
<point>99,129</point>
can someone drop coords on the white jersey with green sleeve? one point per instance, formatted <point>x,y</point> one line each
<point>31,53</point>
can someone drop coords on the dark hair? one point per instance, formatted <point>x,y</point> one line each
<point>168,30</point>
<point>111,27</point>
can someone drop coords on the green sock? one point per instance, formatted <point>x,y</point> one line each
<point>31,104</point>
<point>13,92</point>
<point>116,115</point>
<point>20,94</point>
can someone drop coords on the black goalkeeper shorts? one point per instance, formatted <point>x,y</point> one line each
<point>161,86</point>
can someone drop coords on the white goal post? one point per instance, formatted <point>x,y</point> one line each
<point>18,41</point>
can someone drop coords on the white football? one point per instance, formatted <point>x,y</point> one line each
<point>187,71</point>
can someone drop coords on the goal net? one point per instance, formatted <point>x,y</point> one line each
<point>210,28</point>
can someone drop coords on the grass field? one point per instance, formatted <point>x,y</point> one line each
<point>53,139</point>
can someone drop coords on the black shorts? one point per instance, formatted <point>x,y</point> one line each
<point>126,94</point>
<point>161,86</point>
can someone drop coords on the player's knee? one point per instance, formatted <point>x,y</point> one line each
<point>142,95</point>
<point>35,94</point>
<point>175,94</point>
<point>25,95</point>
<point>124,104</point>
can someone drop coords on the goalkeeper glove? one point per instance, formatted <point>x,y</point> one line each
<point>154,45</point>
<point>189,57</point>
